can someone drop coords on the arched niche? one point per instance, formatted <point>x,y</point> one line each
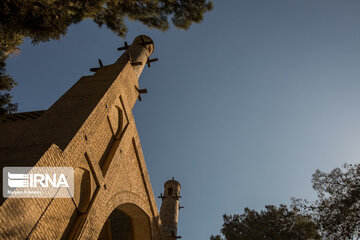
<point>126,222</point>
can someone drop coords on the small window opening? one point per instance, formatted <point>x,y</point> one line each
<point>170,191</point>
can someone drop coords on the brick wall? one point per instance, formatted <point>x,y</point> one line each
<point>90,128</point>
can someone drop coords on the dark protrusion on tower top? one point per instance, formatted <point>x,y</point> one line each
<point>125,47</point>
<point>95,69</point>
<point>149,61</point>
<point>100,63</point>
<point>161,196</point>
<point>144,43</point>
<point>174,236</point>
<point>131,61</point>
<point>141,91</point>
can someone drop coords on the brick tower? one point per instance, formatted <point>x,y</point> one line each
<point>91,128</point>
<point>169,211</point>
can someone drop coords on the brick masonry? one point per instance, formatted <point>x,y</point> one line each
<point>90,128</point>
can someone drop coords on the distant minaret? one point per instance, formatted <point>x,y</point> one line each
<point>169,210</point>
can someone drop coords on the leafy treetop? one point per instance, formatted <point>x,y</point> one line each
<point>44,20</point>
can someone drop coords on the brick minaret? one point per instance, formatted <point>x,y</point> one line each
<point>91,128</point>
<point>169,210</point>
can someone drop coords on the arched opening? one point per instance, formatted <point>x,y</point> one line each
<point>126,222</point>
<point>170,191</point>
<point>117,226</point>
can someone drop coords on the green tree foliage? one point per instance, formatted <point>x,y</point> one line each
<point>337,209</point>
<point>6,84</point>
<point>272,223</point>
<point>44,20</point>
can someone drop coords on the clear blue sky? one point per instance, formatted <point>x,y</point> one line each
<point>242,108</point>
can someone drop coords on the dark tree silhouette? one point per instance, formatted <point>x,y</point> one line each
<point>272,223</point>
<point>337,209</point>
<point>6,84</point>
<point>44,20</point>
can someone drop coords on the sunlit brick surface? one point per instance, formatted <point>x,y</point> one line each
<point>82,130</point>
